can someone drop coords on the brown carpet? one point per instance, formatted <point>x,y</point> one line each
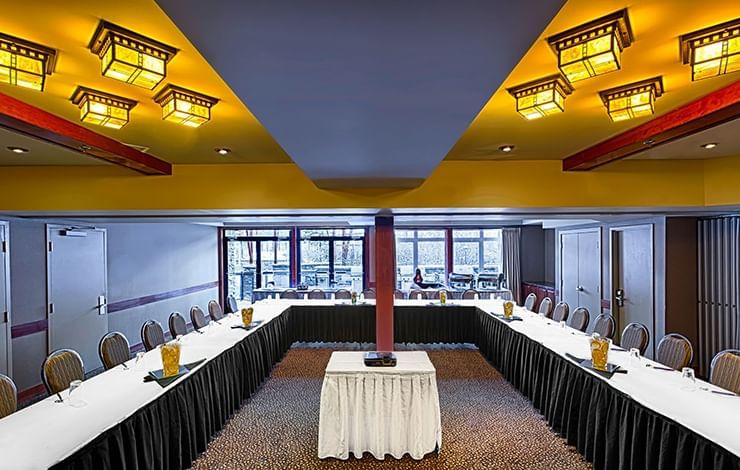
<point>486,423</point>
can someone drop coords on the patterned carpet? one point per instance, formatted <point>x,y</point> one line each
<point>486,423</point>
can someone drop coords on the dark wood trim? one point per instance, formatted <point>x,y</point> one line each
<point>31,393</point>
<point>711,110</point>
<point>385,278</point>
<point>449,254</point>
<point>149,299</point>
<point>21,117</point>
<point>294,254</point>
<point>25,329</point>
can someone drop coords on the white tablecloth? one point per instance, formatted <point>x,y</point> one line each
<point>381,410</point>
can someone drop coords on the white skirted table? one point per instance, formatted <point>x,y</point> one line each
<point>381,410</point>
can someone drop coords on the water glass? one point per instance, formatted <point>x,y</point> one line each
<point>73,399</point>
<point>139,359</point>
<point>687,374</point>
<point>562,324</point>
<point>634,359</point>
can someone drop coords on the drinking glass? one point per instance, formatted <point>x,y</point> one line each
<point>562,324</point>
<point>73,400</point>
<point>508,309</point>
<point>170,358</point>
<point>634,359</point>
<point>687,374</point>
<point>599,352</point>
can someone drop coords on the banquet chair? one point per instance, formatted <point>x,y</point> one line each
<point>470,294</point>
<point>635,335</point>
<point>675,351</point>
<point>113,350</point>
<point>289,294</point>
<point>368,293</point>
<point>231,306</point>
<point>398,294</point>
<point>530,301</point>
<point>198,318</point>
<point>60,368</point>
<point>725,370</point>
<point>152,334</point>
<point>560,312</point>
<point>414,293</point>
<point>177,324</point>
<point>214,310</point>
<point>317,294</point>
<point>8,396</point>
<point>605,326</point>
<point>580,318</point>
<point>436,293</point>
<point>546,307</point>
<point>342,294</point>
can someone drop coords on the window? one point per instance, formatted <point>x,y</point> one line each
<point>422,249</point>
<point>476,251</point>
<point>256,259</point>
<point>332,258</point>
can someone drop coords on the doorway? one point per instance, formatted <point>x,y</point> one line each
<point>6,359</point>
<point>632,279</point>
<point>77,290</point>
<point>256,259</point>
<point>580,269</point>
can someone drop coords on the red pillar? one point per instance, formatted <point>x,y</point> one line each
<point>385,282</point>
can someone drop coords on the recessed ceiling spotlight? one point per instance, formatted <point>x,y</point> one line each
<point>18,149</point>
<point>506,148</point>
<point>223,151</point>
<point>710,145</point>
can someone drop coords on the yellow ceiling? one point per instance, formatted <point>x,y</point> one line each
<point>656,24</point>
<point>68,26</point>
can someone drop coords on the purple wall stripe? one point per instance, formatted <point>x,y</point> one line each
<point>25,329</point>
<point>149,299</point>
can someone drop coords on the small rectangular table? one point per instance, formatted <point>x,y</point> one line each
<point>381,410</point>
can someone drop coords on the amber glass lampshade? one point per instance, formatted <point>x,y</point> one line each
<point>632,100</point>
<point>25,64</point>
<point>102,109</point>
<point>712,51</point>
<point>541,97</point>
<point>185,107</point>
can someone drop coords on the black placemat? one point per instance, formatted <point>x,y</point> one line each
<point>158,375</point>
<point>252,325</point>
<point>587,364</point>
<point>507,320</point>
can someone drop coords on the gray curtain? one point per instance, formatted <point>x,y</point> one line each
<point>719,288</point>
<point>512,247</point>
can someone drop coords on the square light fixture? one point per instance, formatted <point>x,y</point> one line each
<point>130,57</point>
<point>102,109</point>
<point>594,48</point>
<point>24,63</point>
<point>541,97</point>
<point>632,100</point>
<point>712,51</point>
<point>185,107</point>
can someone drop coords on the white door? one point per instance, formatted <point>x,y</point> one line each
<point>569,269</point>
<point>632,278</point>
<point>5,356</point>
<point>589,273</point>
<point>77,291</point>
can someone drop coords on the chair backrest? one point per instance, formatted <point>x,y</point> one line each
<point>317,294</point>
<point>177,324</point>
<point>198,318</point>
<point>289,294</point>
<point>579,319</point>
<point>546,307</point>
<point>435,294</point>
<point>342,294</point>
<point>560,312</point>
<point>675,351</point>
<point>470,294</point>
<point>231,306</point>
<point>8,396</point>
<point>113,350</point>
<point>214,310</point>
<point>152,334</point>
<point>414,293</point>
<point>398,294</point>
<point>60,368</point>
<point>725,371</point>
<point>635,335</point>
<point>530,301</point>
<point>368,293</point>
<point>605,326</point>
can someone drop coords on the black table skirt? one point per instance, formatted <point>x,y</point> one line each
<point>606,426</point>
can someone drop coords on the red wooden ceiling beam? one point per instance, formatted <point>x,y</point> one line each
<point>27,119</point>
<point>713,109</point>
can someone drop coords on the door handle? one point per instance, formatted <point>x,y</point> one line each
<point>619,297</point>
<point>579,288</point>
<point>102,304</point>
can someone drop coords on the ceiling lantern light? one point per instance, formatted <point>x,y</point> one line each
<point>712,51</point>
<point>130,57</point>
<point>541,97</point>
<point>185,107</point>
<point>102,109</point>
<point>24,63</point>
<point>594,48</point>
<point>632,100</point>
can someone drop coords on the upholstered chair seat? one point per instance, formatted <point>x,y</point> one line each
<point>177,324</point>
<point>60,368</point>
<point>560,312</point>
<point>231,306</point>
<point>152,334</point>
<point>114,350</point>
<point>635,335</point>
<point>675,351</point>
<point>317,294</point>
<point>605,326</point>
<point>215,311</point>
<point>470,294</point>
<point>530,301</point>
<point>546,307</point>
<point>369,293</point>
<point>289,294</point>
<point>726,370</point>
<point>198,318</point>
<point>579,319</point>
<point>8,396</point>
<point>398,294</point>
